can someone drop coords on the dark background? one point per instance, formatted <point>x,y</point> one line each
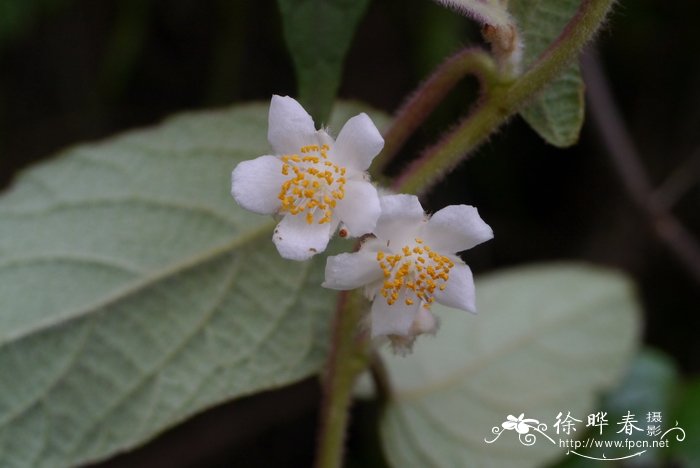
<point>77,70</point>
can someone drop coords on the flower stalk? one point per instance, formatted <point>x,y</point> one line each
<point>349,356</point>
<point>501,98</point>
<point>470,61</point>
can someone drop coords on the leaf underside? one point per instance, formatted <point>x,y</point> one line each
<point>557,113</point>
<point>135,293</point>
<point>547,339</point>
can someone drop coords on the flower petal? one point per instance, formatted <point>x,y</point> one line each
<point>351,270</point>
<point>456,228</point>
<point>425,322</point>
<point>459,290</point>
<point>395,319</point>
<point>297,240</point>
<point>358,143</point>
<point>359,209</point>
<point>401,216</point>
<point>256,184</point>
<point>289,126</point>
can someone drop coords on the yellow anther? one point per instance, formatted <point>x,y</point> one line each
<point>312,186</point>
<point>415,268</point>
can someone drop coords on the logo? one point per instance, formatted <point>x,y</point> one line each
<point>627,435</point>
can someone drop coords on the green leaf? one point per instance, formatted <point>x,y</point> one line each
<point>649,385</point>
<point>318,34</point>
<point>135,293</point>
<point>557,113</point>
<point>688,416</point>
<point>547,339</point>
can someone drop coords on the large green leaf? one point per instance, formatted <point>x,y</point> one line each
<point>557,113</point>
<point>134,292</point>
<point>318,34</point>
<point>547,339</point>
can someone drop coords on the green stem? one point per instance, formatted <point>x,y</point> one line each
<point>351,348</point>
<point>425,99</point>
<point>503,100</point>
<point>350,355</point>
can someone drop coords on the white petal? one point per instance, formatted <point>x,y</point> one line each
<point>395,319</point>
<point>401,216</point>
<point>359,209</point>
<point>289,126</point>
<point>459,290</point>
<point>297,240</point>
<point>456,228</point>
<point>351,270</point>
<point>256,184</point>
<point>358,143</point>
<point>425,322</point>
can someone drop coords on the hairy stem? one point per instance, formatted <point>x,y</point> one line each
<point>350,355</point>
<point>350,352</point>
<point>502,100</point>
<point>469,61</point>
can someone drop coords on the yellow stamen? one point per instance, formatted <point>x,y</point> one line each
<point>315,184</point>
<point>416,271</point>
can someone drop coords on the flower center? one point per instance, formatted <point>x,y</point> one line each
<point>418,270</point>
<point>316,184</point>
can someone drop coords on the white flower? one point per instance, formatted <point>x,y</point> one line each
<point>313,182</point>
<point>411,263</point>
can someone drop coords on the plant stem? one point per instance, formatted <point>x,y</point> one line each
<point>350,352</point>
<point>425,99</point>
<point>350,355</point>
<point>502,100</point>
